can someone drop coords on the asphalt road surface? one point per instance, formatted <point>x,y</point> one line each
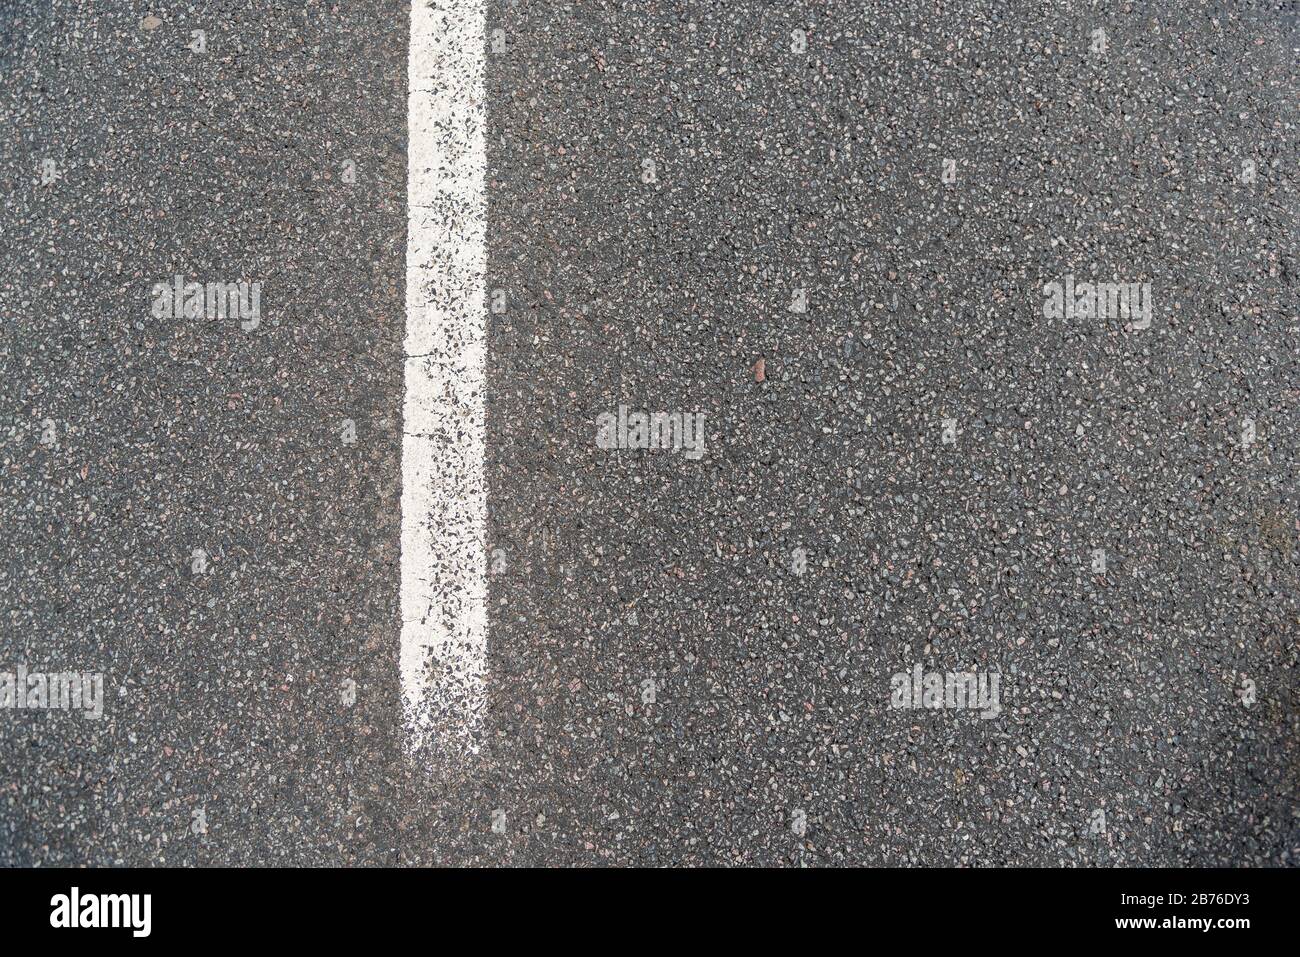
<point>844,247</point>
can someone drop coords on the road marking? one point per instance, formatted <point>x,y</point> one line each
<point>444,499</point>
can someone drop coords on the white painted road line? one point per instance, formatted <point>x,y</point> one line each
<point>444,500</point>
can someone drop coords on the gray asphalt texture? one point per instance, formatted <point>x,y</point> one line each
<point>770,739</point>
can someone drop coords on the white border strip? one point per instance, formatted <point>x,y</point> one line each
<point>444,500</point>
